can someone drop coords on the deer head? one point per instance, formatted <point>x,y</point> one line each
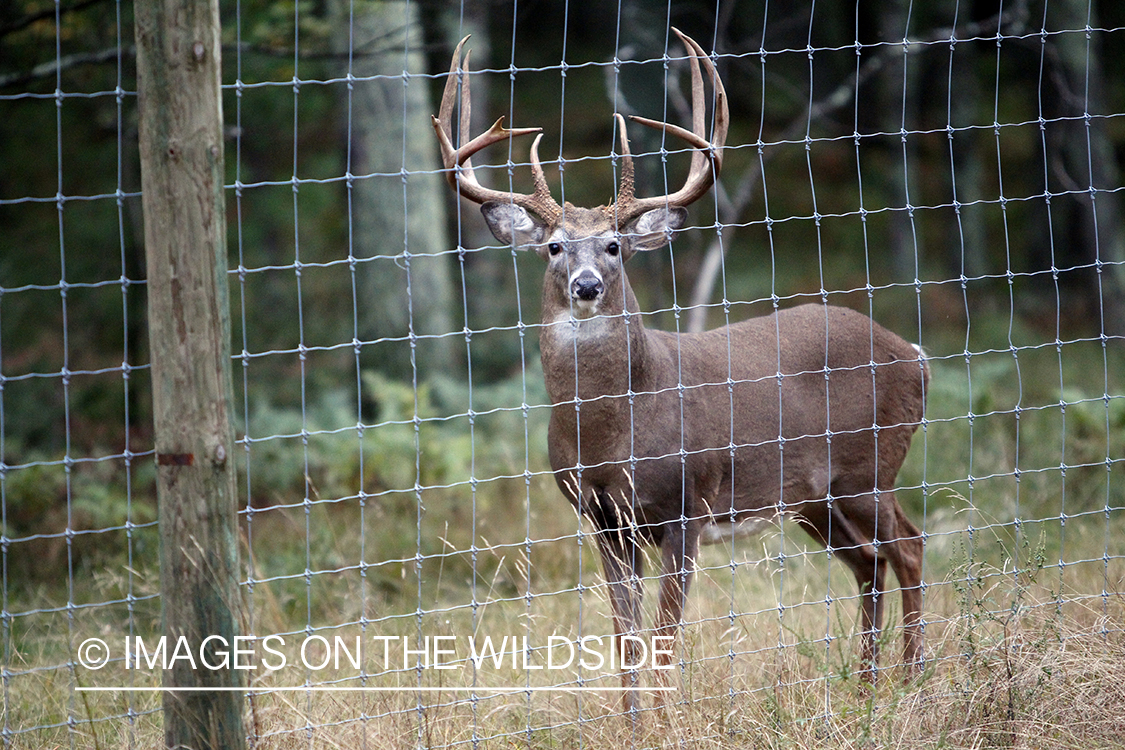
<point>584,247</point>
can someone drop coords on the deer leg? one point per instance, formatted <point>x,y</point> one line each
<point>835,531</point>
<point>872,582</point>
<point>678,550</point>
<point>870,571</point>
<point>903,547</point>
<point>622,565</point>
<point>899,543</point>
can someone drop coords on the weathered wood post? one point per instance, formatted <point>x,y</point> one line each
<point>181,150</point>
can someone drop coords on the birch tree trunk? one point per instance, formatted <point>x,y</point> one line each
<point>397,202</point>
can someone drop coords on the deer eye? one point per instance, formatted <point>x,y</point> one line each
<point>554,248</point>
<point>612,248</point>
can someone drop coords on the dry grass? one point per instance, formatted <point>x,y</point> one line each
<point>1016,659</point>
<point>1041,678</point>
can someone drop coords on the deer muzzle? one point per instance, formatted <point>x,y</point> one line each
<point>586,286</point>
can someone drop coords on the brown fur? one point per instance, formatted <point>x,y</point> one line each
<point>659,465</point>
<point>657,436</point>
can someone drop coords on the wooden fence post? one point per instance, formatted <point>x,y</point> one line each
<point>181,150</point>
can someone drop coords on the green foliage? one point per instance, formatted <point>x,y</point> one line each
<point>423,437</point>
<point>273,25</point>
<point>63,521</point>
<point>1023,436</point>
<point>410,494</point>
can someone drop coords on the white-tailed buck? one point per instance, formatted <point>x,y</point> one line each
<point>673,438</point>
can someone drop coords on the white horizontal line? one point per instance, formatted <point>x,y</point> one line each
<point>370,689</point>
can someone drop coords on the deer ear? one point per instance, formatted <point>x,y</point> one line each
<point>653,229</point>
<point>512,225</point>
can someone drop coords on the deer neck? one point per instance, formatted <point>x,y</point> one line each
<point>605,354</point>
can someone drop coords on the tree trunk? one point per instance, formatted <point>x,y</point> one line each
<point>967,248</point>
<point>181,150</point>
<point>1086,223</point>
<point>398,211</point>
<point>487,277</point>
<point>898,93</point>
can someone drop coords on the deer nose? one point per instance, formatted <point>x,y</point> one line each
<point>586,287</point>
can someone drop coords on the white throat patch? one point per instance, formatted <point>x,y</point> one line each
<point>568,329</point>
<point>583,309</point>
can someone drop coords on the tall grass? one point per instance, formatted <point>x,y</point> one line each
<point>1010,664</point>
<point>450,525</point>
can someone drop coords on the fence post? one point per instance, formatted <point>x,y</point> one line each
<point>181,150</point>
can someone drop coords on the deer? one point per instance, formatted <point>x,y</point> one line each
<point>674,439</point>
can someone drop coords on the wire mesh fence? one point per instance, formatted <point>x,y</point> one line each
<point>412,575</point>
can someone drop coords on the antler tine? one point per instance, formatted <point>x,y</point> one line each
<point>542,194</point>
<point>625,194</point>
<point>466,114</point>
<point>442,123</point>
<point>458,162</point>
<point>701,175</point>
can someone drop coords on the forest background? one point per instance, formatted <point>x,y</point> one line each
<point>967,194</point>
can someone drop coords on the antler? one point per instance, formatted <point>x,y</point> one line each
<point>706,161</point>
<point>702,174</point>
<point>458,162</point>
